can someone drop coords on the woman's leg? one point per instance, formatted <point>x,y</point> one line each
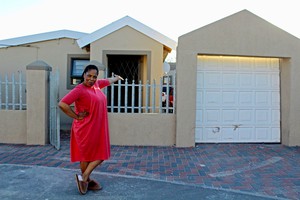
<point>83,166</point>
<point>88,167</point>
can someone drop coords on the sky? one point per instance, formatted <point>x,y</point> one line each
<point>169,17</point>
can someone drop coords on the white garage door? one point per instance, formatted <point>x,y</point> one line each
<point>238,99</point>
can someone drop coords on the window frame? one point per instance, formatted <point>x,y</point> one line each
<point>72,57</point>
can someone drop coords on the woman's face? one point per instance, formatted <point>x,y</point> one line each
<point>90,77</point>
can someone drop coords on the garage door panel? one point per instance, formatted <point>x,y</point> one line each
<point>199,99</point>
<point>200,77</point>
<point>262,133</point>
<point>208,135</point>
<point>228,64</point>
<point>199,116</point>
<point>212,80</point>
<point>228,134</point>
<point>212,98</point>
<point>262,65</point>
<point>229,80</point>
<point>267,65</point>
<point>208,63</point>
<point>212,116</point>
<point>262,81</point>
<point>246,116</point>
<point>199,134</point>
<point>275,132</point>
<point>245,134</point>
<point>246,80</point>
<point>229,98</point>
<point>262,98</point>
<point>262,116</point>
<point>245,64</point>
<point>246,98</point>
<point>275,119</point>
<point>275,98</point>
<point>275,80</point>
<point>211,134</point>
<point>229,116</point>
<point>238,99</point>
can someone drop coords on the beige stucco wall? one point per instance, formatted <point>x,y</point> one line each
<point>142,129</point>
<point>29,126</point>
<point>290,98</point>
<point>53,52</point>
<point>129,41</point>
<point>242,34</point>
<point>13,126</point>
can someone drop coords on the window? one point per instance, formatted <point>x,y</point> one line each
<point>76,64</point>
<point>77,69</point>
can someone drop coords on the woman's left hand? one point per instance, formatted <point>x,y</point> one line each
<point>117,77</point>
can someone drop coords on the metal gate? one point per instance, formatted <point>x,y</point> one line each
<point>54,118</point>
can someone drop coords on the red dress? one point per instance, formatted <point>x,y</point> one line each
<point>90,136</point>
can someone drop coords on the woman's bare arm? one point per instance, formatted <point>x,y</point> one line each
<point>70,112</point>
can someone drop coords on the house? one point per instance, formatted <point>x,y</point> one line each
<point>125,47</point>
<point>237,81</point>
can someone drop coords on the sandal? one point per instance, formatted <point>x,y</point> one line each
<point>93,185</point>
<point>81,185</point>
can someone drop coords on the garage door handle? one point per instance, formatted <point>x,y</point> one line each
<point>216,130</point>
<point>235,126</point>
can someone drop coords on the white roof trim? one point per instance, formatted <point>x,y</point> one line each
<point>126,21</point>
<point>41,37</point>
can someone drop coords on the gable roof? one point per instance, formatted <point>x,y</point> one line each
<point>242,21</point>
<point>41,37</point>
<point>242,33</point>
<point>127,21</point>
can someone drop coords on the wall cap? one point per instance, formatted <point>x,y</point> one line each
<point>39,65</point>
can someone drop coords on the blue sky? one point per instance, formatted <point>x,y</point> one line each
<point>169,17</point>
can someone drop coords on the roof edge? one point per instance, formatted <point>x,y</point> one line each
<point>41,37</point>
<point>126,21</point>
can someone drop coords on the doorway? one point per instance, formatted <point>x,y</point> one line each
<point>128,67</point>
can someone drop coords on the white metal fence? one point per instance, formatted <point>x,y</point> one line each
<point>123,97</point>
<point>12,92</point>
<point>141,98</point>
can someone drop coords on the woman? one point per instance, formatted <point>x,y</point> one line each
<point>89,142</point>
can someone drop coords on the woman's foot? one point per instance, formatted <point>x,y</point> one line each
<point>82,186</point>
<point>93,185</point>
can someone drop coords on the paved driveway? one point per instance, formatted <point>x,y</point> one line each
<point>208,171</point>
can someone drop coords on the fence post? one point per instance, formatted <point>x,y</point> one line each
<point>37,78</point>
